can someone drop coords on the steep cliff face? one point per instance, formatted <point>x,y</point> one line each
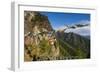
<point>32,19</point>
<point>39,41</point>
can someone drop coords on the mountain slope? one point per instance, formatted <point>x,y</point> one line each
<point>75,44</point>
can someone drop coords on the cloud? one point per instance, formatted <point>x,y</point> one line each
<point>85,30</point>
<point>83,22</point>
<point>60,28</point>
<point>81,31</point>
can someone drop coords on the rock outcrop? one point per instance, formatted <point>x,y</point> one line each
<point>39,40</point>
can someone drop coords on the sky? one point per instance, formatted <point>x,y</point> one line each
<point>59,20</point>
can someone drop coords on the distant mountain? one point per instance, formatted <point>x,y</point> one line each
<point>75,42</point>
